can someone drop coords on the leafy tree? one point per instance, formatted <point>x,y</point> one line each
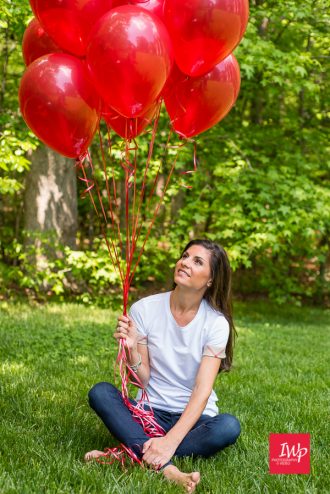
<point>16,142</point>
<point>262,189</point>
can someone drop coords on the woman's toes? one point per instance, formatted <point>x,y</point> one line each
<point>192,482</point>
<point>92,455</point>
<point>190,487</point>
<point>196,477</point>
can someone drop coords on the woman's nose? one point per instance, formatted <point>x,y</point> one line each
<point>185,263</point>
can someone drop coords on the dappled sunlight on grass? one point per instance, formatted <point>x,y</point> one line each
<point>80,360</point>
<point>244,331</point>
<point>14,368</point>
<point>52,397</point>
<point>52,356</point>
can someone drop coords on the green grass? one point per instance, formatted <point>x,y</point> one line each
<point>51,356</point>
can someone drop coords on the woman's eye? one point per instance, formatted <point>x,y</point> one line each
<point>198,261</point>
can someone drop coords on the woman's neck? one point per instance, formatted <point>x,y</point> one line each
<point>183,301</point>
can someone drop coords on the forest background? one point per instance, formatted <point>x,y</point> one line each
<point>261,190</point>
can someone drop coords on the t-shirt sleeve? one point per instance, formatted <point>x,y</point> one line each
<point>217,338</point>
<point>136,313</point>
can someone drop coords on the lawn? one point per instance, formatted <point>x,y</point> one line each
<point>52,355</point>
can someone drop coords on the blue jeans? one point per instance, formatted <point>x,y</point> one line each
<point>208,436</point>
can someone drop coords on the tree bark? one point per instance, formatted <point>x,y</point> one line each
<point>50,201</point>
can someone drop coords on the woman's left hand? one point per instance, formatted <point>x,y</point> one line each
<point>158,451</point>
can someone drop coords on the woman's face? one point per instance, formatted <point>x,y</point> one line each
<point>193,270</point>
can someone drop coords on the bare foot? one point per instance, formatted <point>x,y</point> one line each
<point>187,480</point>
<point>93,455</point>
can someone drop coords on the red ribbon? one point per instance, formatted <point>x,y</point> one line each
<point>117,242</point>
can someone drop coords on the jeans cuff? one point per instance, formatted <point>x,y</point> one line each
<point>168,463</point>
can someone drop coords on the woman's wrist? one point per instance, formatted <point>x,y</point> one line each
<point>135,366</point>
<point>134,353</point>
<point>133,357</point>
<point>173,438</point>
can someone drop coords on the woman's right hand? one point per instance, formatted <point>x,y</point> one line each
<point>126,329</point>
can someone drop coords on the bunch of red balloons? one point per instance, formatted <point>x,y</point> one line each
<point>117,59</point>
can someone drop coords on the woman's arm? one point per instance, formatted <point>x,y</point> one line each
<point>126,329</point>
<point>162,449</point>
<point>202,390</point>
<point>143,371</point>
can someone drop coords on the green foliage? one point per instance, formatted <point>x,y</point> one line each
<point>54,272</point>
<point>15,139</point>
<point>262,187</point>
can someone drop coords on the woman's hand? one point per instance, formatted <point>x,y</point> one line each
<point>158,451</point>
<point>126,329</point>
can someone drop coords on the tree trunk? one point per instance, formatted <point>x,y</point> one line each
<point>50,202</point>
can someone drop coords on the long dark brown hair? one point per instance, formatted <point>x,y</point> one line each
<point>219,295</point>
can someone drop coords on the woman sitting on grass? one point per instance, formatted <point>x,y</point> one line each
<point>177,341</point>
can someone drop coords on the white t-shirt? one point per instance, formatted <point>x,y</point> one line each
<point>175,352</point>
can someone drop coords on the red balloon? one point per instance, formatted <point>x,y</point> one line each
<point>196,104</point>
<point>59,104</point>
<point>37,43</point>
<point>154,6</point>
<point>130,58</point>
<point>128,128</point>
<point>204,32</point>
<point>119,3</point>
<point>69,22</point>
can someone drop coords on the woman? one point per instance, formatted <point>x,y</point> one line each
<point>179,341</point>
